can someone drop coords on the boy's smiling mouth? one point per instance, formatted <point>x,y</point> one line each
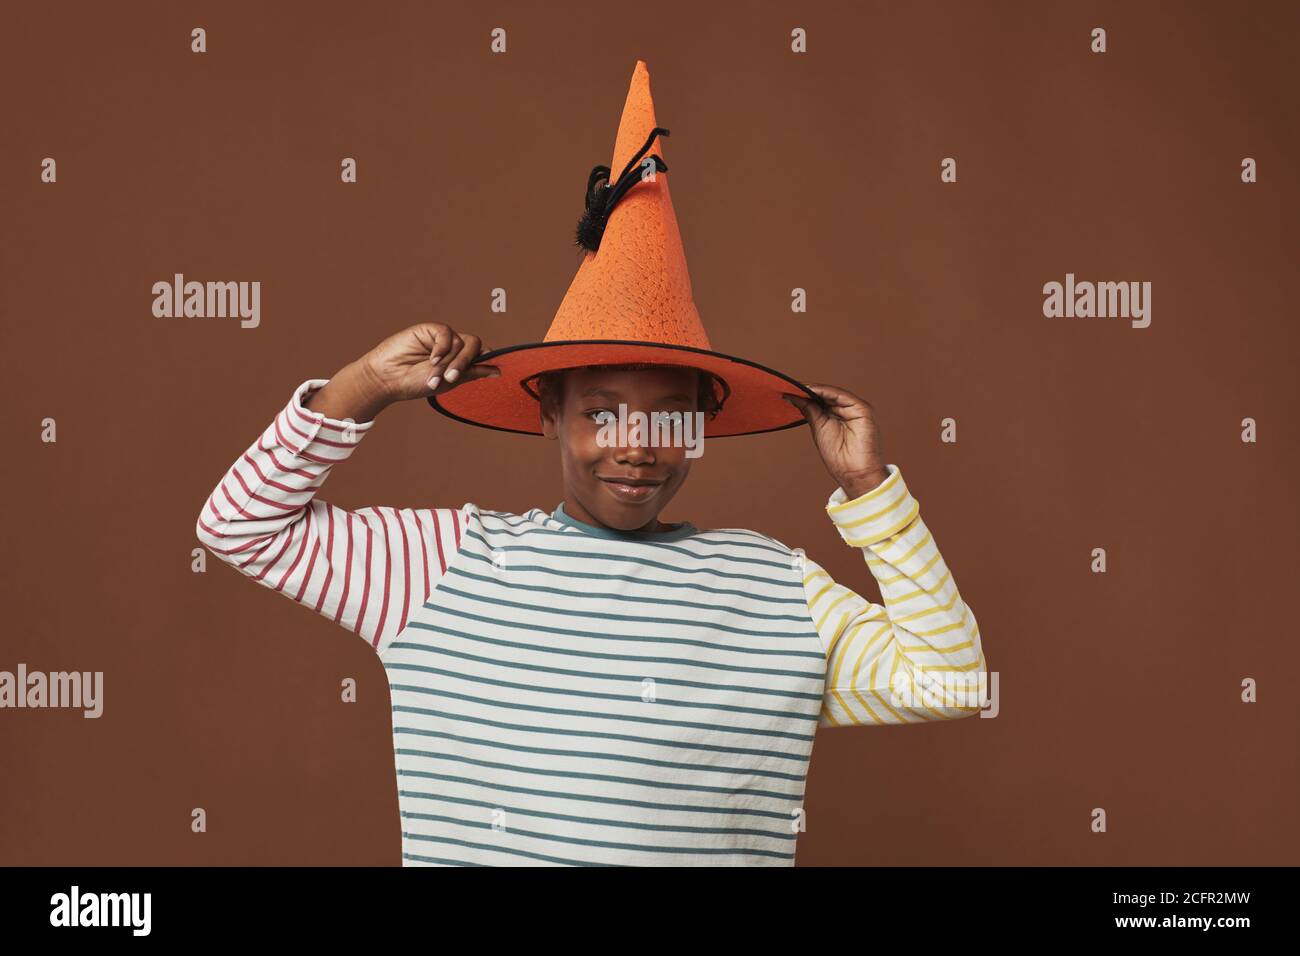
<point>631,489</point>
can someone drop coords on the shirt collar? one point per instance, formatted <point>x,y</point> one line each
<point>682,529</point>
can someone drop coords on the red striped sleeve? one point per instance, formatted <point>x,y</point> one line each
<point>263,518</point>
<point>347,583</point>
<point>406,570</point>
<point>424,556</point>
<point>329,573</point>
<point>437,537</point>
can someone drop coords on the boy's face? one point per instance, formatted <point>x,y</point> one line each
<point>592,490</point>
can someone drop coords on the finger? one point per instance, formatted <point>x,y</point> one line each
<point>439,360</point>
<point>811,411</point>
<point>842,403</point>
<point>471,374</point>
<point>833,395</point>
<point>455,368</point>
<point>433,336</point>
<point>479,371</point>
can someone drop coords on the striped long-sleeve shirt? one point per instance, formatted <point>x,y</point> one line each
<point>570,694</point>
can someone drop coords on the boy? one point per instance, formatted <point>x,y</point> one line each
<point>592,686</point>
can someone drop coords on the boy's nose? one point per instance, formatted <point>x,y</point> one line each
<point>634,453</point>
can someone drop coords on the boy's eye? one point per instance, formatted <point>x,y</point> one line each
<point>598,412</point>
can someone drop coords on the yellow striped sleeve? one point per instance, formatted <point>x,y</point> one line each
<point>916,658</point>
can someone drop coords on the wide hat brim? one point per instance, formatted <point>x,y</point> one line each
<point>753,402</point>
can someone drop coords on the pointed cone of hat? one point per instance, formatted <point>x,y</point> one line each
<point>631,302</point>
<point>636,286</point>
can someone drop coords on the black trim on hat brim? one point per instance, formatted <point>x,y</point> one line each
<point>486,359</point>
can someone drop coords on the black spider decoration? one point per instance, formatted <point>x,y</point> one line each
<point>601,197</point>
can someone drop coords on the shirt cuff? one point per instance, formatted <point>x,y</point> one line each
<point>315,437</point>
<point>873,517</point>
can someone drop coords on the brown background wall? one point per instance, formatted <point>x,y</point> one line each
<point>819,171</point>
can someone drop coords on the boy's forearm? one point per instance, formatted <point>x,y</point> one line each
<point>352,394</point>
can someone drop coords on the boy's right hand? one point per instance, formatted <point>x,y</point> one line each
<point>425,359</point>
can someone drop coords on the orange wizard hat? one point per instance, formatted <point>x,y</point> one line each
<point>631,301</point>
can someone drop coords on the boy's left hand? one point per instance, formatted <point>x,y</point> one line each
<point>844,430</point>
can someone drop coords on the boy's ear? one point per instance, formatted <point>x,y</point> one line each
<point>546,415</point>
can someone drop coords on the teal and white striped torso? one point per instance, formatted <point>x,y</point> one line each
<point>575,698</point>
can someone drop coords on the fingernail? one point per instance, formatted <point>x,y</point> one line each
<point>453,374</point>
<point>433,382</point>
